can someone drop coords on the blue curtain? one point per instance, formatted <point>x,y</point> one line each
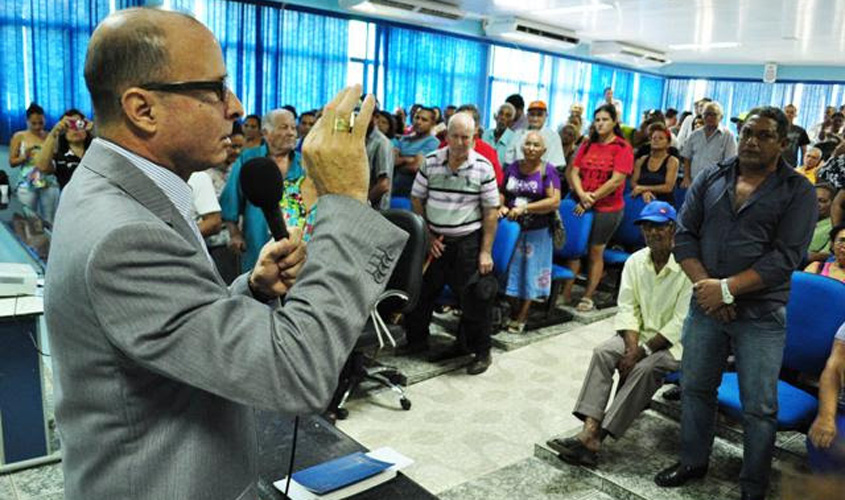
<point>432,69</point>
<point>277,56</point>
<point>739,96</point>
<point>42,53</point>
<point>649,94</point>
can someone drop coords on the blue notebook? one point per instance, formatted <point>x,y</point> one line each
<point>338,473</point>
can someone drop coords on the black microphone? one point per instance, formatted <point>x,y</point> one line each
<point>264,186</point>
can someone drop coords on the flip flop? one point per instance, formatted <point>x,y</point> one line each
<point>516,327</point>
<point>579,454</point>
<point>585,305</point>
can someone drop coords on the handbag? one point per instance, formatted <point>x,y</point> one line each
<point>555,223</point>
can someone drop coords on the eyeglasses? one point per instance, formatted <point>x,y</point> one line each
<point>761,136</point>
<point>839,242</point>
<point>219,87</point>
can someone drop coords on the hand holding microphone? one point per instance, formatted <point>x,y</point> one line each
<point>281,260</point>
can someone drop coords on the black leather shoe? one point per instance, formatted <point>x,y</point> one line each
<point>678,475</point>
<point>749,496</point>
<point>480,364</point>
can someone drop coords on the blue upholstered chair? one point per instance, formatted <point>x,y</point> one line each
<point>577,238</point>
<point>814,313</point>
<point>400,202</point>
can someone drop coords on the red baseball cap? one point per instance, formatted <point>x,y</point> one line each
<point>538,105</point>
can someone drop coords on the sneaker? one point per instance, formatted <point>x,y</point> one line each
<point>480,364</point>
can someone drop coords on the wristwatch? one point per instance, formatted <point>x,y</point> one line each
<point>647,349</point>
<point>727,297</point>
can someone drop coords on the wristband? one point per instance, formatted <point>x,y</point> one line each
<point>727,296</point>
<point>647,349</point>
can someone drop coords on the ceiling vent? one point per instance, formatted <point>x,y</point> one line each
<point>540,35</point>
<point>420,11</point>
<point>624,53</point>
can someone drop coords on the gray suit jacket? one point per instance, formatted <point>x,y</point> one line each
<point>158,364</point>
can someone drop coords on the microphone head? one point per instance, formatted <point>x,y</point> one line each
<point>262,182</point>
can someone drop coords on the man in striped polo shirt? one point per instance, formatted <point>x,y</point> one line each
<point>455,191</point>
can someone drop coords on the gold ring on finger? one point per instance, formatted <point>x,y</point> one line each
<point>341,125</point>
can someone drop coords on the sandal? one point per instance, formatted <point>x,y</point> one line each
<point>586,304</point>
<point>578,454</point>
<point>516,327</point>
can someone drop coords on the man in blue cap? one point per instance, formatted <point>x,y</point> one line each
<point>654,297</point>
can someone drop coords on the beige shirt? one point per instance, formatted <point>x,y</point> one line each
<point>651,303</point>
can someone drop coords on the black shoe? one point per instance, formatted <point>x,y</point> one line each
<point>578,454</point>
<point>678,475</point>
<point>480,364</point>
<point>749,496</point>
<point>560,444</point>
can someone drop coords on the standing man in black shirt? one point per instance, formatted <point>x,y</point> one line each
<point>743,230</point>
<point>797,137</point>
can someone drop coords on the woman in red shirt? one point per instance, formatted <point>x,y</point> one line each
<point>598,181</point>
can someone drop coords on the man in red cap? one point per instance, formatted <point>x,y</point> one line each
<point>537,114</point>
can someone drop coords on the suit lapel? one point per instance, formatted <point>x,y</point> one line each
<point>129,178</point>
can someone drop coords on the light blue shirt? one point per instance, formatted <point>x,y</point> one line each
<point>502,145</point>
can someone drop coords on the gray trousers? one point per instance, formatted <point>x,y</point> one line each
<point>634,395</point>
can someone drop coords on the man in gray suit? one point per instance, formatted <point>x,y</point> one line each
<point>158,363</point>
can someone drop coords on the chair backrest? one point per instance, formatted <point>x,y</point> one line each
<point>407,275</point>
<point>628,234</point>
<point>507,234</point>
<point>577,230</point>
<point>400,203</point>
<point>815,311</point>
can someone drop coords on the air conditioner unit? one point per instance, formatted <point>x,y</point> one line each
<point>625,53</point>
<point>418,11</point>
<point>531,33</point>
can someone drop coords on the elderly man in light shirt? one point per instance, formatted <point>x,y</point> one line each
<point>538,112</point>
<point>707,146</point>
<point>653,301</point>
<point>501,135</point>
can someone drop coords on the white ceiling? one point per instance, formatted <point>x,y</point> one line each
<point>805,32</point>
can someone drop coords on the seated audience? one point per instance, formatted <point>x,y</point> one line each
<point>455,192</point>
<point>598,181</point>
<point>409,154</point>
<point>252,132</point>
<point>279,127</point>
<point>36,191</point>
<point>380,157</point>
<point>820,245</point>
<point>531,196</point>
<point>826,439</point>
<point>833,173</point>
<point>64,147</point>
<point>707,146</point>
<point>500,136</point>
<point>655,175</point>
<point>812,160</point>
<point>654,298</point>
<point>832,268</point>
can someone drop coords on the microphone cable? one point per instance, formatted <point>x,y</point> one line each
<point>292,454</point>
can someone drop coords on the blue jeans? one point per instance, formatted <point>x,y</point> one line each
<point>758,347</point>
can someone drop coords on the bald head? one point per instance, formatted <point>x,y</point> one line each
<point>130,48</point>
<point>462,122</point>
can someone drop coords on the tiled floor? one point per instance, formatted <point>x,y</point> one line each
<point>462,427</point>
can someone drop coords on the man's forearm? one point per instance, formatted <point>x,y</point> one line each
<point>829,387</point>
<point>631,339</point>
<point>837,210</point>
<point>379,188</point>
<point>488,228</point>
<point>658,343</point>
<point>687,169</point>
<point>694,269</point>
